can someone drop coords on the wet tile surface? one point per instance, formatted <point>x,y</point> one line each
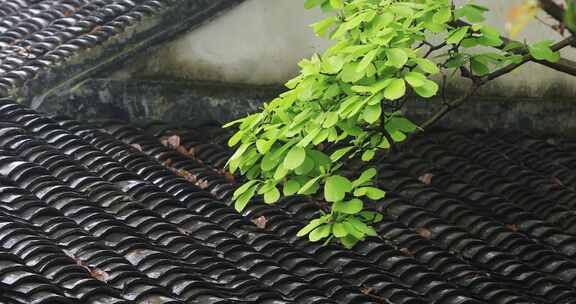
<point>117,214</point>
<point>37,36</point>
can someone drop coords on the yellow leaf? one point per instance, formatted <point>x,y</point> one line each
<point>519,16</point>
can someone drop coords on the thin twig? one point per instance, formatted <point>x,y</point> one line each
<point>479,82</point>
<point>554,10</point>
<point>563,65</point>
<point>385,132</point>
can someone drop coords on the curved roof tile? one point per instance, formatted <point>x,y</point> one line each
<point>47,43</point>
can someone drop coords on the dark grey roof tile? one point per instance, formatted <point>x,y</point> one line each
<point>39,36</point>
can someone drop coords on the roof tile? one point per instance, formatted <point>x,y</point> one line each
<point>121,215</point>
<point>41,35</point>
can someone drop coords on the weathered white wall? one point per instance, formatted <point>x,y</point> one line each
<point>258,42</point>
<point>261,41</point>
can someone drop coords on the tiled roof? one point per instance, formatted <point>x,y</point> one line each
<point>119,215</point>
<point>41,40</point>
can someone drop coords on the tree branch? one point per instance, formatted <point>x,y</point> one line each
<point>563,65</point>
<point>387,135</point>
<point>554,10</point>
<point>450,106</point>
<point>479,82</point>
<point>511,67</point>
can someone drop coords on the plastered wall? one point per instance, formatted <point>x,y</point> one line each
<point>261,41</point>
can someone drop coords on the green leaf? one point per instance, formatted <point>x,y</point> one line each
<point>339,230</point>
<point>244,198</point>
<point>320,232</point>
<point>478,67</point>
<point>349,241</point>
<point>402,124</point>
<point>365,177</point>
<point>263,145</point>
<point>371,192</point>
<point>382,20</point>
<point>280,173</point>
<point>360,226</point>
<point>313,3</point>
<point>542,51</point>
<point>306,167</point>
<point>474,13</point>
<point>308,138</point>
<point>366,61</point>
<point>322,27</point>
<point>333,65</point>
<point>396,57</point>
<point>340,153</point>
<point>395,90</point>
<point>397,135</point>
<point>350,73</point>
<point>291,187</point>
<point>311,226</point>
<point>513,46</point>
<point>331,120</point>
<point>443,16</point>
<point>350,207</point>
<point>234,140</point>
<point>336,188</point>
<point>234,122</point>
<point>272,196</point>
<point>415,79</point>
<point>311,184</point>
<point>427,66</point>
<point>337,4</point>
<point>295,158</point>
<point>372,113</point>
<point>243,188</point>
<point>570,15</point>
<point>456,61</point>
<point>368,155</point>
<point>353,231</point>
<point>428,89</point>
<point>456,35</point>
<point>321,159</point>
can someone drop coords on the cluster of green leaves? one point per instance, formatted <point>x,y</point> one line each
<point>344,105</point>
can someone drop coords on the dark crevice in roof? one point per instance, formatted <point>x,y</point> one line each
<point>46,45</point>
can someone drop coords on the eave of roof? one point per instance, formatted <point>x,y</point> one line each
<point>51,44</point>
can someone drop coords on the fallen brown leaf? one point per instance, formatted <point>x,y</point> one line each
<point>192,152</point>
<point>182,150</point>
<point>426,178</point>
<point>406,252</point>
<point>557,184</point>
<point>512,227</point>
<point>260,222</point>
<point>98,274</point>
<point>202,184</point>
<point>423,232</point>
<point>174,141</point>
<point>137,147</point>
<point>366,290</point>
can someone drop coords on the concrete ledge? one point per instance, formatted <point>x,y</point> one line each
<point>552,116</point>
<point>197,103</point>
<point>144,101</point>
